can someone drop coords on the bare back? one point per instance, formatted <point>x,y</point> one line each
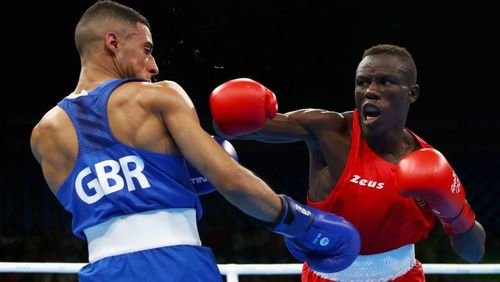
<point>134,124</point>
<point>54,140</point>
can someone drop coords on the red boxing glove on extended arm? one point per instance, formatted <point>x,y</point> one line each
<point>427,175</point>
<point>241,106</point>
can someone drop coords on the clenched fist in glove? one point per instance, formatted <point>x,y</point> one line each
<point>328,242</point>
<point>241,106</point>
<point>426,174</point>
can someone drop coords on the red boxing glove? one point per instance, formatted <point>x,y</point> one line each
<point>427,175</point>
<point>242,106</point>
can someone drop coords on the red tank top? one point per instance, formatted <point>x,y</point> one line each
<point>365,195</point>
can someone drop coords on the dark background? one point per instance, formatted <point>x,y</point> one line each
<point>307,53</point>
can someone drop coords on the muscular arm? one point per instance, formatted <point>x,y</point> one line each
<point>289,127</point>
<point>237,184</point>
<point>245,109</point>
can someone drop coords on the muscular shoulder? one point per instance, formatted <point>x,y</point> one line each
<point>160,94</point>
<point>49,123</point>
<point>51,131</point>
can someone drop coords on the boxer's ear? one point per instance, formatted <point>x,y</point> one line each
<point>414,93</point>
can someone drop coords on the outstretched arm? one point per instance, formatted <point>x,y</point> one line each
<point>245,109</point>
<point>282,128</point>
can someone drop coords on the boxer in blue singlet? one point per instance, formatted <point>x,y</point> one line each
<point>115,152</point>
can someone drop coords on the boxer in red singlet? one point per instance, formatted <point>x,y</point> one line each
<point>365,166</point>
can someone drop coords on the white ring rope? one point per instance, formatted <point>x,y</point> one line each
<point>247,269</point>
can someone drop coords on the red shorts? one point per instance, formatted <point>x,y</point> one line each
<point>416,274</point>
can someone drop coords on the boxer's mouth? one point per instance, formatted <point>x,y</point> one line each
<point>370,113</point>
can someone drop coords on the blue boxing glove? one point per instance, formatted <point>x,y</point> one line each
<point>200,183</point>
<point>327,242</point>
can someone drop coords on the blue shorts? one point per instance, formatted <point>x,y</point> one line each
<point>167,264</point>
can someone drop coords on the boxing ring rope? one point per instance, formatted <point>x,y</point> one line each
<point>233,271</point>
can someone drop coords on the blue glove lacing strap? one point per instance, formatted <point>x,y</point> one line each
<point>294,219</point>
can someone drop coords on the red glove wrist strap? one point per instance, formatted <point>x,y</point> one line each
<point>461,223</point>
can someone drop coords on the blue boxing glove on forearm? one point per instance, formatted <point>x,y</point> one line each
<point>326,241</point>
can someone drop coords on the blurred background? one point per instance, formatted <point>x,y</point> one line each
<point>304,51</point>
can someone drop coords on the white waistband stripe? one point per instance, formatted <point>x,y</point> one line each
<point>378,267</point>
<point>142,231</point>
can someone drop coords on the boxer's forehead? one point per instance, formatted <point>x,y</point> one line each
<point>382,64</point>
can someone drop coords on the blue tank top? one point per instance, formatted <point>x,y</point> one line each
<point>110,178</point>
